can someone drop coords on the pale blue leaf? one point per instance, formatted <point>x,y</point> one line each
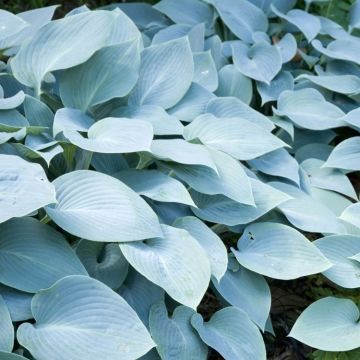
<point>161,121</point>
<point>215,45</point>
<point>190,12</point>
<point>313,151</point>
<point>232,334</point>
<point>176,262</point>
<point>339,249</point>
<point>98,207</point>
<point>10,356</point>
<point>342,49</point>
<point>231,107</point>
<point>242,17</point>
<point>351,214</point>
<point>166,73</point>
<point>56,45</point>
<point>175,338</point>
<point>279,251</point>
<point>155,185</point>
<point>353,118</point>
<point>37,113</point>
<point>140,294</point>
<point>354,16</point>
<point>282,5</point>
<point>10,24</point>
<point>18,303</point>
<point>277,163</point>
<point>220,209</point>
<point>78,312</point>
<point>104,262</point>
<point>193,103</point>
<point>306,213</point>
<point>27,247</point>
<point>211,243</point>
<point>111,72</point>
<point>246,290</point>
<point>270,92</point>
<point>307,23</point>
<point>308,109</point>
<point>345,155</point>
<point>108,163</point>
<point>24,187</point>
<point>6,328</point>
<point>343,84</point>
<point>287,47</point>
<point>13,101</point>
<point>329,324</point>
<point>182,152</point>
<point>230,179</point>
<point>71,119</point>
<point>195,35</point>
<point>205,73</point>
<point>260,61</point>
<point>233,83</point>
<point>114,135</point>
<point>237,137</point>
<point>327,178</point>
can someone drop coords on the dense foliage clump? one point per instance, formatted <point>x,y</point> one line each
<point>180,181</point>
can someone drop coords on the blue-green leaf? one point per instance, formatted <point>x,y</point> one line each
<point>235,136</point>
<point>166,73</point>
<point>155,185</point>
<point>246,290</point>
<point>261,61</point>
<point>175,262</point>
<point>18,303</point>
<point>104,262</point>
<point>24,187</point>
<point>78,312</point>
<point>339,249</point>
<point>279,251</point>
<point>175,337</point>
<point>98,207</point>
<point>211,243</point>
<point>329,324</point>
<point>242,17</point>
<point>111,72</point>
<point>6,328</point>
<point>232,334</point>
<point>27,247</point>
<point>308,109</point>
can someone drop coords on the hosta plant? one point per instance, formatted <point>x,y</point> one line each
<point>163,169</point>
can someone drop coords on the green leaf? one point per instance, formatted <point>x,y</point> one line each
<point>24,187</point>
<point>34,255</point>
<point>78,312</point>
<point>98,207</point>
<point>176,262</point>
<point>329,324</point>
<point>232,334</point>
